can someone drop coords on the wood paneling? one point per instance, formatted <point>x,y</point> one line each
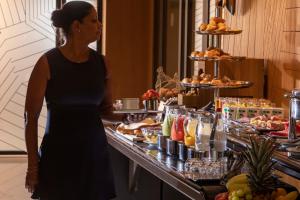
<point>247,70</point>
<point>292,19</point>
<point>292,3</point>
<point>129,42</point>
<point>291,42</point>
<point>271,32</point>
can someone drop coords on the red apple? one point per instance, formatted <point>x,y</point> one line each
<point>222,196</point>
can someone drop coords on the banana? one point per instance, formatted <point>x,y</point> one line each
<point>239,179</point>
<point>237,186</point>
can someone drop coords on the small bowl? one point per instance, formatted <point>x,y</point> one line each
<point>151,134</point>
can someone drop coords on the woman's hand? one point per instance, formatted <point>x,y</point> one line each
<point>31,180</point>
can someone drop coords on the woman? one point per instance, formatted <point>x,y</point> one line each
<point>73,161</point>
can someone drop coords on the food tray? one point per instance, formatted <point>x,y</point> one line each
<point>230,58</point>
<point>231,32</point>
<point>132,138</point>
<point>245,84</point>
<point>136,111</point>
<point>262,129</point>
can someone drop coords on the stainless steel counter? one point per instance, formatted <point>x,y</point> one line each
<point>168,169</point>
<point>162,166</point>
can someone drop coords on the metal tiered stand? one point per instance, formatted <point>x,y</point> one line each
<point>216,42</point>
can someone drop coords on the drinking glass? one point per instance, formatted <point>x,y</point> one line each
<point>204,127</point>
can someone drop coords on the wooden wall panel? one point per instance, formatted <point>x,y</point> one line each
<point>129,42</point>
<point>292,19</point>
<point>291,43</point>
<point>249,69</point>
<point>292,3</point>
<point>271,32</point>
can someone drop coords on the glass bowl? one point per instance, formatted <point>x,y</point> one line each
<point>151,134</point>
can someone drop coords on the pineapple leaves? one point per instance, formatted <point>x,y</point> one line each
<point>258,158</point>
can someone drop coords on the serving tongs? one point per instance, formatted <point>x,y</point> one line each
<point>229,4</point>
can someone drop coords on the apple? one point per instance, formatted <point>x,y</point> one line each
<point>222,196</point>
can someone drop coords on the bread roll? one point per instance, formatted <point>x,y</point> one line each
<point>217,82</point>
<point>186,80</point>
<point>202,27</point>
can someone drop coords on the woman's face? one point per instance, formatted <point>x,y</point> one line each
<point>90,28</point>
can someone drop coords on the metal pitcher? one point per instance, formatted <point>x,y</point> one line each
<point>294,112</point>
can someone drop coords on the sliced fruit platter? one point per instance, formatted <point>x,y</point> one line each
<point>264,123</point>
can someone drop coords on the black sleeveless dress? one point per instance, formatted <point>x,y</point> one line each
<point>74,162</point>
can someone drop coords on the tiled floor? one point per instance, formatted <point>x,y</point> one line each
<point>12,178</point>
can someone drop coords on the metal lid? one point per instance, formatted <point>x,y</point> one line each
<point>296,93</point>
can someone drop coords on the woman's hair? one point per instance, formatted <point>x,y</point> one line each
<point>71,11</point>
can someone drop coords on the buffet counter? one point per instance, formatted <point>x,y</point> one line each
<point>168,169</point>
<point>162,166</point>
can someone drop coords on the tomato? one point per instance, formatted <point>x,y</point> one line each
<point>146,96</point>
<point>151,90</point>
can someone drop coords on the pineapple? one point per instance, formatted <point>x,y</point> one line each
<point>259,164</point>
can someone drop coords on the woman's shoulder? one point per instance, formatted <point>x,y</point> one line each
<point>95,53</point>
<point>99,57</point>
<point>52,53</point>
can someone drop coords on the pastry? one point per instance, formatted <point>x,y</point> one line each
<point>212,53</point>
<point>216,82</point>
<point>201,54</point>
<point>205,78</point>
<point>205,81</point>
<point>217,20</point>
<point>169,94</point>
<point>202,27</point>
<point>221,28</point>
<point>226,80</point>
<point>195,82</point>
<point>212,22</point>
<point>194,53</point>
<point>211,27</point>
<point>186,80</point>
<point>163,91</point>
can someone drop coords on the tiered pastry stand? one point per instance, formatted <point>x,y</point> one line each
<point>216,38</point>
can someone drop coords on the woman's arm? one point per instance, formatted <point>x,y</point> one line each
<point>33,105</point>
